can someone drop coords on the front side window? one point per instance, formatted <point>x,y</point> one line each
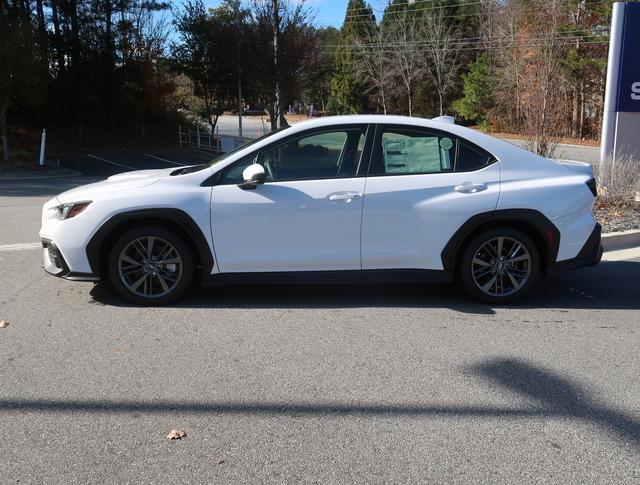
<point>406,152</point>
<point>328,154</point>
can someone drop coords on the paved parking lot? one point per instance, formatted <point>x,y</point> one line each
<point>324,384</point>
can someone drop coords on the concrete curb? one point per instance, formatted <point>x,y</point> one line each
<point>615,241</point>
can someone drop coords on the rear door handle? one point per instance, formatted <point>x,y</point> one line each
<point>471,187</point>
<point>344,196</point>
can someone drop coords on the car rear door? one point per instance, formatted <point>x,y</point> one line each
<point>421,187</point>
<point>305,217</point>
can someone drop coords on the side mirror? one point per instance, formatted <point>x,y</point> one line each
<point>254,174</point>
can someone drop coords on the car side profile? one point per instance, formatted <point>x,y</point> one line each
<point>338,199</point>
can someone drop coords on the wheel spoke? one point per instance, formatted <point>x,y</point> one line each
<point>500,244</point>
<point>514,282</point>
<point>130,260</point>
<point>480,262</point>
<point>165,251</point>
<point>163,283</point>
<point>514,250</point>
<point>487,286</point>
<point>137,284</point>
<point>524,257</point>
<point>150,242</point>
<point>172,277</point>
<point>169,261</point>
<point>481,272</point>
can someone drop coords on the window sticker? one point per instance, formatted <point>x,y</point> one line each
<point>446,143</point>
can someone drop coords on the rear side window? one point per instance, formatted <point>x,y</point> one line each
<point>471,157</point>
<point>405,152</point>
<point>413,151</point>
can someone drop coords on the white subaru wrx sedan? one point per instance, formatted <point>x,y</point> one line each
<point>339,199</point>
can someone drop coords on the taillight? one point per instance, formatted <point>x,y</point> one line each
<point>592,187</point>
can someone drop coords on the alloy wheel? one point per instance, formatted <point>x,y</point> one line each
<point>501,266</point>
<point>150,267</point>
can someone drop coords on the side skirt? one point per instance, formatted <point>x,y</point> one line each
<point>374,276</point>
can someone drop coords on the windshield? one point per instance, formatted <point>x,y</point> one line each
<point>224,156</point>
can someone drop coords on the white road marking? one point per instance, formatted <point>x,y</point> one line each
<point>112,163</point>
<point>164,160</point>
<point>6,248</point>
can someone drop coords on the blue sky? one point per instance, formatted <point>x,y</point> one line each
<point>328,12</point>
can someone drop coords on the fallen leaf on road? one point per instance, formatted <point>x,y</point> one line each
<point>176,435</point>
<point>4,324</point>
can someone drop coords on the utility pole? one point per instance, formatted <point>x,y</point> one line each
<point>239,61</point>
<point>276,32</point>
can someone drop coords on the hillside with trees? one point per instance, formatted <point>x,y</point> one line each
<point>105,70</point>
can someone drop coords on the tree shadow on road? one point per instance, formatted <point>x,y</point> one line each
<point>549,396</point>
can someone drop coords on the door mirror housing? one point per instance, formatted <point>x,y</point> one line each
<point>253,175</point>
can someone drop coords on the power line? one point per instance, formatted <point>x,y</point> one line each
<point>485,47</point>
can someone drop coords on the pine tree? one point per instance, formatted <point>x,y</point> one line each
<point>476,102</point>
<point>348,92</point>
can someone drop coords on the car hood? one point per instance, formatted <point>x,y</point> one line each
<point>115,183</point>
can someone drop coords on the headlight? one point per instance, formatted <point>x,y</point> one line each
<point>67,211</point>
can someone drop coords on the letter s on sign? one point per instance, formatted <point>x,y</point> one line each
<point>635,91</point>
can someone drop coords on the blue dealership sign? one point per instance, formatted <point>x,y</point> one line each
<point>629,77</point>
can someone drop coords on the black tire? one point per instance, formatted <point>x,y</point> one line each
<point>160,281</point>
<point>480,263</point>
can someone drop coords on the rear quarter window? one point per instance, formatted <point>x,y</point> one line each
<point>471,157</point>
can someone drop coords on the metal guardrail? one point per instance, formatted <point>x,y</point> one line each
<point>205,140</point>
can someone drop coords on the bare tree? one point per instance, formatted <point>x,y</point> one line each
<point>403,49</point>
<point>543,102</point>
<point>372,63</point>
<point>442,52</point>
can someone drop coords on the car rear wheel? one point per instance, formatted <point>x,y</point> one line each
<point>151,266</point>
<point>500,265</point>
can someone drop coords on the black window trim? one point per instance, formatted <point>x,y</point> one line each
<point>361,169</point>
<point>376,149</point>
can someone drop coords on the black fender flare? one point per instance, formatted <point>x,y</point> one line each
<point>171,216</point>
<point>545,229</point>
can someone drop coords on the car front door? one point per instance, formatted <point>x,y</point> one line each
<point>307,214</point>
<point>422,186</point>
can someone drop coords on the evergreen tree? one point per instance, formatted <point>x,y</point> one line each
<point>348,91</point>
<point>476,100</point>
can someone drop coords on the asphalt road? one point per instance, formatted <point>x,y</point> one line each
<point>324,384</point>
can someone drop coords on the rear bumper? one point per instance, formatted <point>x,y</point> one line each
<point>54,264</point>
<point>589,255</point>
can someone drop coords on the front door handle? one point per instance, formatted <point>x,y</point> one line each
<point>471,187</point>
<point>344,196</point>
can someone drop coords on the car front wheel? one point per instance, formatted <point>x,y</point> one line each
<point>500,265</point>
<point>151,266</point>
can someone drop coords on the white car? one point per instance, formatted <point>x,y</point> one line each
<point>338,199</point>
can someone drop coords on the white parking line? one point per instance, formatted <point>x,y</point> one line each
<point>112,163</point>
<point>164,160</point>
<point>6,248</point>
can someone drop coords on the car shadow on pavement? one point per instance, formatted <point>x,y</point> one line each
<point>548,395</point>
<point>315,296</point>
<point>610,285</point>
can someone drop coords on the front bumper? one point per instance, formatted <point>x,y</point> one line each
<point>53,263</point>
<point>589,255</point>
